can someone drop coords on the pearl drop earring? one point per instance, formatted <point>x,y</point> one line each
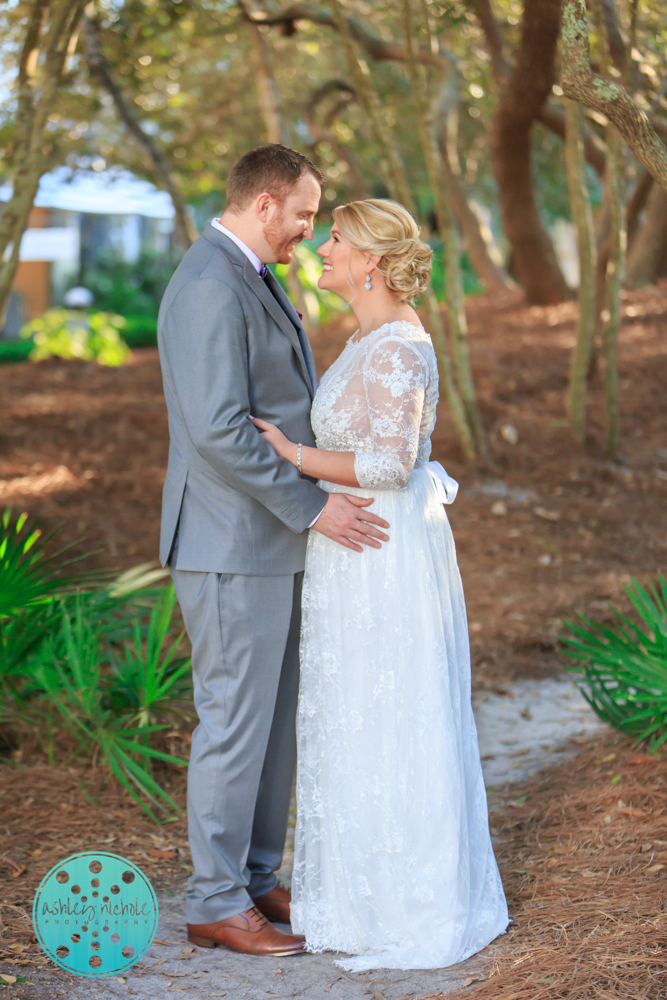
<point>367,286</point>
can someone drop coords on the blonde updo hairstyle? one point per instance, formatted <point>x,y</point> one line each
<point>383,227</point>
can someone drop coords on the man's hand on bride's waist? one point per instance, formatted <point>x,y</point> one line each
<point>346,521</point>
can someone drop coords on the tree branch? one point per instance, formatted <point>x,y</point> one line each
<point>183,227</point>
<point>580,83</point>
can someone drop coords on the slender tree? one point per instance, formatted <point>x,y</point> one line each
<point>264,79</point>
<point>50,37</point>
<point>583,219</point>
<point>395,178</point>
<point>455,303</point>
<point>100,68</point>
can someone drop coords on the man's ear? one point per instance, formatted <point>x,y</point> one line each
<point>262,205</point>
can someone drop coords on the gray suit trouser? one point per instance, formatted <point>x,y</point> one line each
<point>244,632</point>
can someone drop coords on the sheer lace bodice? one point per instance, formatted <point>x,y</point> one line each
<point>379,401</point>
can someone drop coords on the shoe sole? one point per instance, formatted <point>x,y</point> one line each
<point>202,942</point>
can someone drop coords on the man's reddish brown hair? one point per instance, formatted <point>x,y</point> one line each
<point>273,168</point>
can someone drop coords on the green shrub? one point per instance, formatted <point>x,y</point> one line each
<point>64,333</point>
<point>623,667</point>
<point>70,671</point>
<point>140,331</point>
<point>12,351</point>
<point>130,289</point>
<point>90,656</point>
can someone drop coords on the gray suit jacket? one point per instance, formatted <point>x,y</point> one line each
<point>230,346</point>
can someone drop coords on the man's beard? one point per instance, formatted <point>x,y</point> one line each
<point>279,239</point>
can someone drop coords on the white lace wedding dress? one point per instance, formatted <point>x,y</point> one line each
<point>393,858</point>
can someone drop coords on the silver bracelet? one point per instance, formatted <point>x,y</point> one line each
<point>298,458</point>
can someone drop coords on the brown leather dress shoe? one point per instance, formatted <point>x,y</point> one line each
<point>249,932</point>
<point>275,904</point>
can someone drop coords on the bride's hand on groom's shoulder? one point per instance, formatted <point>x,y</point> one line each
<point>345,520</point>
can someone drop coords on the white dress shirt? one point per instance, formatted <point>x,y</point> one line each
<point>257,264</point>
<point>250,254</point>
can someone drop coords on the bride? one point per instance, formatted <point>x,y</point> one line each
<point>393,857</point>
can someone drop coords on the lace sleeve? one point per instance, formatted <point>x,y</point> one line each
<point>395,380</point>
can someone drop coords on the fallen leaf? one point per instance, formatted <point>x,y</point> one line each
<point>605,760</point>
<point>643,760</point>
<point>121,980</point>
<point>7,979</point>
<point>546,515</point>
<point>655,868</point>
<point>631,811</point>
<point>165,855</point>
<point>18,948</point>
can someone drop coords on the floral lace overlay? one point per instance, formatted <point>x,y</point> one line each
<point>379,400</point>
<point>393,858</point>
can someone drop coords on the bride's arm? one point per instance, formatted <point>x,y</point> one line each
<point>394,381</point>
<point>331,466</point>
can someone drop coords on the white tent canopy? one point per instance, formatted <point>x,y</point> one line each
<point>109,192</point>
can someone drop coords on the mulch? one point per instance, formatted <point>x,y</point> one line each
<point>87,446</point>
<point>582,850</point>
<point>48,814</point>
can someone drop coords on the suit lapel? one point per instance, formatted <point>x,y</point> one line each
<point>275,308</point>
<point>273,299</point>
<point>284,300</point>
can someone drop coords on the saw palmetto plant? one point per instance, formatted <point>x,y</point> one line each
<point>72,673</point>
<point>623,666</point>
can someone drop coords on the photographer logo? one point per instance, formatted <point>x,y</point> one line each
<point>95,914</point>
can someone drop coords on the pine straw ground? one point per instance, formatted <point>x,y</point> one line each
<point>583,855</point>
<point>582,850</point>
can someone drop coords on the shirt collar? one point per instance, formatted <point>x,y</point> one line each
<point>250,254</point>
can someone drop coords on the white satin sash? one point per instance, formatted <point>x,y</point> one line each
<point>446,486</point>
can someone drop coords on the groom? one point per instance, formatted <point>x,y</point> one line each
<point>235,521</point>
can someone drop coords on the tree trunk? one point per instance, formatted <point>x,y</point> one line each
<point>266,87</point>
<point>520,101</point>
<point>551,115</point>
<point>455,305</point>
<point>489,271</point>
<point>184,230</point>
<point>583,217</point>
<point>616,185</point>
<point>395,177</point>
<point>649,247</point>
<point>636,205</point>
<point>52,30</point>
<point>493,276</point>
<point>605,95</point>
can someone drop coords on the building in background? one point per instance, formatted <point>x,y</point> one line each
<point>79,217</point>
